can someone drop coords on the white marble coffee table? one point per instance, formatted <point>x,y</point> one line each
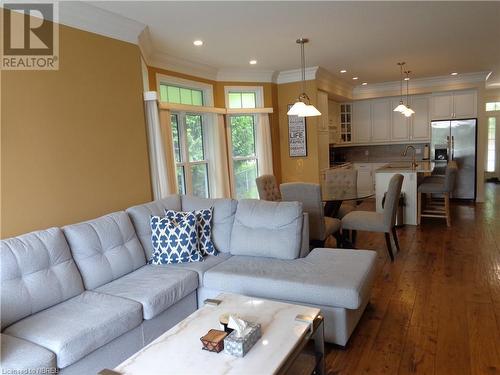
<point>178,351</point>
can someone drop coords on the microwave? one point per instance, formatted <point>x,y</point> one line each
<point>441,154</point>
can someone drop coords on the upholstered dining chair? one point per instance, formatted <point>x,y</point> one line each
<point>343,178</point>
<point>320,227</point>
<point>268,188</point>
<point>442,185</point>
<point>379,222</point>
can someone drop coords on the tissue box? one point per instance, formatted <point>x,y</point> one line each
<point>239,346</point>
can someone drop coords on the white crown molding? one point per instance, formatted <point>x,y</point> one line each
<point>421,83</point>
<point>90,18</point>
<point>145,44</point>
<point>165,61</point>
<point>245,75</point>
<point>295,75</point>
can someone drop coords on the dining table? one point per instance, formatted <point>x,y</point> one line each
<point>333,195</point>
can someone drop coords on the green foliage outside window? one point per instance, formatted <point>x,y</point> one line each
<point>243,135</point>
<point>244,162</point>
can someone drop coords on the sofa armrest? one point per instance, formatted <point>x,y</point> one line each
<point>305,248</point>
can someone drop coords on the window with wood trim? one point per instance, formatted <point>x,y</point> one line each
<point>190,155</point>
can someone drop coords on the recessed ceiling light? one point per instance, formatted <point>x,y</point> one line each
<point>355,78</point>
<point>253,62</point>
<point>454,74</point>
<point>343,71</point>
<point>198,43</point>
<point>364,83</point>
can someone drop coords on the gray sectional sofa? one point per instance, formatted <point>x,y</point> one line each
<point>83,297</point>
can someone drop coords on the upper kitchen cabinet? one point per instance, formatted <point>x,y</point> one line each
<point>458,104</point>
<point>442,105</point>
<point>381,120</point>
<point>400,127</point>
<point>465,104</point>
<point>362,122</point>
<point>420,121</point>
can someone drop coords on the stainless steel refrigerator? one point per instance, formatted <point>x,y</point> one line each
<point>456,140</point>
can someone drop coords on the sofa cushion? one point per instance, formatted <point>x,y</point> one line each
<point>141,215</point>
<point>174,241</point>
<point>209,261</point>
<point>18,355</point>
<point>267,229</point>
<point>78,326</point>
<point>37,272</point>
<point>338,278</point>
<point>223,217</point>
<point>105,248</point>
<point>203,227</point>
<point>156,288</point>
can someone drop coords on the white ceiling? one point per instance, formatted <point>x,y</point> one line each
<point>366,38</point>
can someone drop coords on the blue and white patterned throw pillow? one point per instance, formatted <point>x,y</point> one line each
<point>203,227</point>
<point>174,241</point>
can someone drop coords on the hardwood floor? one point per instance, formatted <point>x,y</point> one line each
<point>436,309</point>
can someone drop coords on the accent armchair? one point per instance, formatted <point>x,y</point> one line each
<point>320,227</point>
<point>268,188</point>
<point>379,222</point>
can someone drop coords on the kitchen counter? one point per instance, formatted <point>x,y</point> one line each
<point>405,167</point>
<point>410,183</point>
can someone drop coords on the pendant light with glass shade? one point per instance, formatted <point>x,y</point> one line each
<point>408,112</point>
<point>401,107</point>
<point>303,106</point>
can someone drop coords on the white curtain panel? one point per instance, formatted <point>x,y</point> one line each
<point>217,148</point>
<point>163,178</point>
<point>264,144</point>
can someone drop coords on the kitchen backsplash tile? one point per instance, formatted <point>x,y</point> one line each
<point>375,154</point>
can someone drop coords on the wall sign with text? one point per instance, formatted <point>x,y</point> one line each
<point>297,136</point>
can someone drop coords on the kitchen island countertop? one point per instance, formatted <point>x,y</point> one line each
<point>405,167</point>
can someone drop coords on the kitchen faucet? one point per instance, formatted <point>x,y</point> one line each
<point>413,161</point>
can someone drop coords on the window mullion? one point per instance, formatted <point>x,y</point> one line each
<point>185,155</point>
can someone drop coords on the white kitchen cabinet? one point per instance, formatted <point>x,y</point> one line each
<point>465,104</point>
<point>381,120</point>
<point>365,175</point>
<point>457,104</point>
<point>400,126</point>
<point>420,121</point>
<point>376,166</point>
<point>442,106</point>
<point>362,124</point>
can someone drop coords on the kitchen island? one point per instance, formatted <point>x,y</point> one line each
<point>409,188</point>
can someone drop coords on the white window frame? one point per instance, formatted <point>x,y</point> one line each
<point>259,103</point>
<point>184,151</point>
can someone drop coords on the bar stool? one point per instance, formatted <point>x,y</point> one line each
<point>437,185</point>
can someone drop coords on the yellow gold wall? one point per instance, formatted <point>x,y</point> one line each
<point>73,141</point>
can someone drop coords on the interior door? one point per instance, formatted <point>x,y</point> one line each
<point>463,145</point>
